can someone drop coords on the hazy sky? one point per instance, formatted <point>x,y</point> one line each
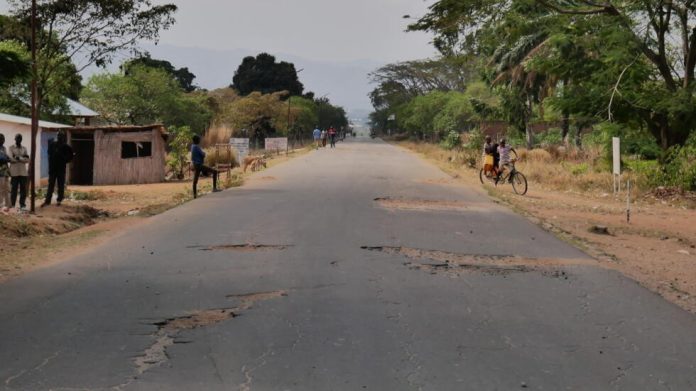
<point>316,29</point>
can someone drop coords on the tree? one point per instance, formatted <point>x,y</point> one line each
<point>263,74</point>
<point>182,75</point>
<point>91,31</point>
<point>145,96</point>
<point>329,115</point>
<point>659,35</point>
<point>65,81</point>
<point>14,62</point>
<point>179,144</point>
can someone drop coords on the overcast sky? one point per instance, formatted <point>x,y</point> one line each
<point>316,29</point>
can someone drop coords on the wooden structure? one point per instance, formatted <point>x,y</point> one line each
<point>117,155</point>
<point>225,164</point>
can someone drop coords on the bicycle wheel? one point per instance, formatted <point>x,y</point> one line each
<point>481,175</point>
<point>519,183</point>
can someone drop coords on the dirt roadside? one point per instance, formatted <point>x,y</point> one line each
<point>91,216</point>
<point>657,248</point>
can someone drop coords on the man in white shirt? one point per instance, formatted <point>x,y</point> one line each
<point>19,157</point>
<point>504,152</point>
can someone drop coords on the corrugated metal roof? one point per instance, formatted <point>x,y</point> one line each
<point>77,109</point>
<point>27,121</point>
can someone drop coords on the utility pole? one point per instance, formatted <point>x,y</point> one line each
<point>34,110</point>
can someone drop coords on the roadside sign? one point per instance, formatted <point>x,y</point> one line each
<point>616,143</point>
<point>392,117</point>
<point>241,146</point>
<point>276,144</point>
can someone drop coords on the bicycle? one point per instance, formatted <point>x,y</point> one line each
<point>514,177</point>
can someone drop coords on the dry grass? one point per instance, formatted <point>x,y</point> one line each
<point>219,134</point>
<point>556,168</point>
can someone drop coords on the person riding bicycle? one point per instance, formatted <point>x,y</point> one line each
<point>505,160</point>
<point>490,149</point>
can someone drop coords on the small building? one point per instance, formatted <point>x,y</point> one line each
<point>80,114</point>
<point>10,125</point>
<point>117,155</point>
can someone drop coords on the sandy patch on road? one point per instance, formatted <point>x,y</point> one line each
<point>433,205</point>
<point>455,264</point>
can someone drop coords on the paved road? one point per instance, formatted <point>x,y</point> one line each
<point>174,305</point>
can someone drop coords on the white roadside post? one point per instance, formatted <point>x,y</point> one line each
<point>616,145</point>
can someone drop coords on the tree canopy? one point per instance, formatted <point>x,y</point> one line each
<point>263,74</point>
<point>182,75</point>
<point>74,34</point>
<point>144,96</point>
<point>631,62</point>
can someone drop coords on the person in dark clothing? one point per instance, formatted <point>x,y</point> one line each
<point>198,160</point>
<point>491,148</point>
<point>332,136</point>
<point>59,155</point>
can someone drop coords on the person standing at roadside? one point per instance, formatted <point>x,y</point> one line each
<point>19,157</point>
<point>317,137</point>
<point>4,176</point>
<point>199,167</point>
<point>332,136</point>
<point>59,155</point>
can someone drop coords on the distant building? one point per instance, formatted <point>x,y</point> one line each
<point>80,114</point>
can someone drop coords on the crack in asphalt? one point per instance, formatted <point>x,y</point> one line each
<point>245,247</point>
<point>168,330</point>
<point>23,372</point>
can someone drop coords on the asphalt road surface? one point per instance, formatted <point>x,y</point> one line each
<point>346,296</point>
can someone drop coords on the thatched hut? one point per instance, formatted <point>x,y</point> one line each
<point>117,155</point>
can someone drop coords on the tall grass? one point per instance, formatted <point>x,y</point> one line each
<point>219,134</point>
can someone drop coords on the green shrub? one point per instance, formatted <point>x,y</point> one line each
<point>452,140</point>
<point>550,137</point>
<point>577,169</point>
<point>679,167</point>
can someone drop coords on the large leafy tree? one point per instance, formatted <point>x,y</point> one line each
<point>263,74</point>
<point>65,81</point>
<point>642,35</point>
<point>147,95</point>
<point>182,75</point>
<point>86,33</point>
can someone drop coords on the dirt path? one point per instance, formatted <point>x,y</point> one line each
<point>657,248</point>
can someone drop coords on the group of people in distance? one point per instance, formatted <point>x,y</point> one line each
<point>320,136</point>
<point>496,158</point>
<point>14,174</point>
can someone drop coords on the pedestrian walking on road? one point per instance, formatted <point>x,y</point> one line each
<point>317,137</point>
<point>59,155</point>
<point>19,157</point>
<point>323,138</point>
<point>4,176</point>
<point>332,136</point>
<point>199,167</point>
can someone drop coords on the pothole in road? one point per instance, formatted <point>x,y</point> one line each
<point>168,330</point>
<point>247,247</point>
<point>430,205</point>
<point>435,261</point>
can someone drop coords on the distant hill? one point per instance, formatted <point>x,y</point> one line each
<point>345,82</point>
